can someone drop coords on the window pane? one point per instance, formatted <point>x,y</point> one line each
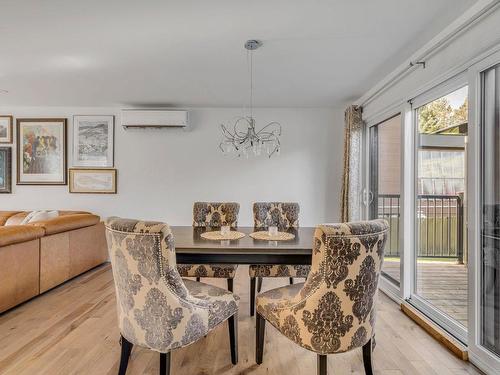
<point>441,275</point>
<point>386,181</point>
<point>490,233</point>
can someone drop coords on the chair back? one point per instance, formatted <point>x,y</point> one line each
<point>154,306</point>
<point>283,215</point>
<point>215,214</point>
<point>334,311</point>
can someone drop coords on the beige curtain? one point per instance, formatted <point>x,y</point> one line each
<point>350,207</point>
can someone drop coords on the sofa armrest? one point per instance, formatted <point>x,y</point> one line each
<point>66,223</point>
<point>19,233</point>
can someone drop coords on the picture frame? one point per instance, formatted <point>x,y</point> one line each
<point>5,170</point>
<point>93,141</point>
<point>6,128</point>
<point>93,180</point>
<point>41,151</point>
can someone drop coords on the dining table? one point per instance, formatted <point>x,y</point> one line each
<point>192,248</point>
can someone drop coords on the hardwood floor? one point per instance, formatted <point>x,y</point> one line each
<point>72,330</point>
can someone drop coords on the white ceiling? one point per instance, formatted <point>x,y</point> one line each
<point>190,53</point>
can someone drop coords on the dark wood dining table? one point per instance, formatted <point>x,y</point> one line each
<point>191,248</point>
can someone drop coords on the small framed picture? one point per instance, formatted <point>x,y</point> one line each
<point>93,138</point>
<point>5,170</point>
<point>6,129</point>
<point>92,181</point>
<point>41,151</point>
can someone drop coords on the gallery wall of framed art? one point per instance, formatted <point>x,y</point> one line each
<point>40,145</point>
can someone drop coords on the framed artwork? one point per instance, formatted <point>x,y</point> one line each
<point>6,129</point>
<point>93,138</point>
<point>41,151</point>
<point>96,181</point>
<point>5,170</point>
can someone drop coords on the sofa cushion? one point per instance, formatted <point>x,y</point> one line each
<point>13,234</point>
<point>66,223</point>
<point>42,215</point>
<point>5,215</point>
<point>17,218</point>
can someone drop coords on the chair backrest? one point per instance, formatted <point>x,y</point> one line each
<point>154,306</point>
<point>335,309</point>
<point>284,215</point>
<point>215,214</point>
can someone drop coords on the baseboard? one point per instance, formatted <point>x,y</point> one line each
<point>452,344</point>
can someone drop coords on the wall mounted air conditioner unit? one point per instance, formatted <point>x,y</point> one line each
<point>154,118</point>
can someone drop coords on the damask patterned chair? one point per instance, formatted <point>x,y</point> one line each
<point>334,310</point>
<point>213,215</point>
<point>157,309</point>
<point>284,216</point>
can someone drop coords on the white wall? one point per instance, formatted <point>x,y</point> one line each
<point>161,173</point>
<point>479,38</point>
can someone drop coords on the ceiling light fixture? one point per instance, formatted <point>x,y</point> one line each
<point>244,139</point>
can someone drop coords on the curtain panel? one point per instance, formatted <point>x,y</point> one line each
<point>350,207</point>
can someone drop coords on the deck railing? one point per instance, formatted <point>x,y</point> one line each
<point>440,225</point>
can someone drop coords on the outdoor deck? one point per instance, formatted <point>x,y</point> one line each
<point>444,284</point>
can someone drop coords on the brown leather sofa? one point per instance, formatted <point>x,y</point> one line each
<point>39,256</point>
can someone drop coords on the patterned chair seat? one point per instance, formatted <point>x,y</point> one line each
<point>224,271</point>
<point>278,270</point>
<point>222,304</point>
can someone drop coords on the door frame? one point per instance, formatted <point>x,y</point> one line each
<point>482,357</point>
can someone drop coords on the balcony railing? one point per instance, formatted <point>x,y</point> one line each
<point>440,225</point>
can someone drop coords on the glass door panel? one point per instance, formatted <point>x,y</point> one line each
<point>385,183</point>
<point>441,257</point>
<point>489,267</point>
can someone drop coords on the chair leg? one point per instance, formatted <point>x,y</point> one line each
<point>126,349</point>
<point>230,285</point>
<point>367,357</point>
<point>252,296</point>
<point>165,363</point>
<point>322,365</point>
<point>260,332</point>
<point>233,337</point>
<point>291,280</point>
<point>198,279</point>
<point>259,284</point>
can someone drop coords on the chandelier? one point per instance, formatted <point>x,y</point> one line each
<point>241,137</point>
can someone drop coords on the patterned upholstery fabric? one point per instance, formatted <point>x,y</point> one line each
<point>215,214</point>
<point>278,270</point>
<point>280,214</point>
<point>224,271</point>
<point>334,310</point>
<point>157,309</point>
<point>212,214</point>
<point>284,216</point>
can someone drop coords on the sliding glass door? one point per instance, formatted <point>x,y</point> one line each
<point>489,267</point>
<point>440,255</point>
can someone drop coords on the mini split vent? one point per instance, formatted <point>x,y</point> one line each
<point>153,119</point>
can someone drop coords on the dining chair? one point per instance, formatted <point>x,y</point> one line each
<point>157,309</point>
<point>284,216</point>
<point>213,215</point>
<point>334,310</point>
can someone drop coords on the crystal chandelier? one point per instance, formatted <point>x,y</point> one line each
<point>241,137</point>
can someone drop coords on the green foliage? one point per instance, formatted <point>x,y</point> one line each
<point>439,115</point>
